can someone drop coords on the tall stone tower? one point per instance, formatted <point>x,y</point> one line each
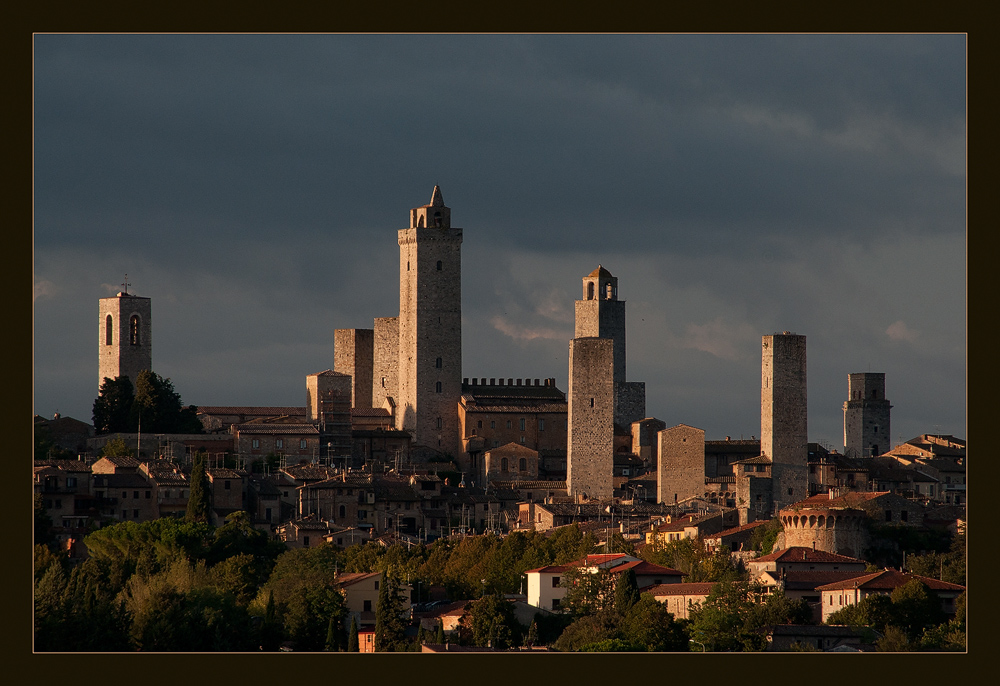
<point>353,354</point>
<point>126,340</point>
<point>590,425</point>
<point>600,314</point>
<point>430,327</point>
<point>783,416</point>
<point>866,416</point>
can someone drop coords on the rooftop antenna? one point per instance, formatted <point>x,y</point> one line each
<point>125,285</point>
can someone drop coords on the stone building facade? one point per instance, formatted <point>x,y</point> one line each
<point>590,441</point>
<point>680,473</point>
<point>385,362</point>
<point>430,327</point>
<point>353,354</point>
<point>783,415</point>
<point>125,342</point>
<point>646,440</point>
<point>510,462</point>
<point>866,416</point>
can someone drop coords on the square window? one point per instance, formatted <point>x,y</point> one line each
<point>135,514</point>
<point>225,484</point>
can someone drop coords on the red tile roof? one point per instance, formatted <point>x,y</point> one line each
<point>643,568</point>
<point>693,588</point>
<point>551,569</point>
<point>354,577</point>
<point>852,499</point>
<point>738,529</point>
<point>803,554</point>
<point>888,580</point>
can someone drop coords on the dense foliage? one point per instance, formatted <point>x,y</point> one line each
<point>151,404</point>
<point>689,556</point>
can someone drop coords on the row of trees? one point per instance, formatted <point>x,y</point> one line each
<point>151,404</point>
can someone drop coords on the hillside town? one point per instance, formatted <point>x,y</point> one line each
<point>410,506</point>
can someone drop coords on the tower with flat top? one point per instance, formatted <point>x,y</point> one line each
<point>783,416</point>
<point>866,416</point>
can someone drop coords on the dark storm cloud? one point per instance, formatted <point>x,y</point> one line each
<point>737,185</point>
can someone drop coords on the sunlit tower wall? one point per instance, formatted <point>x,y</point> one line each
<point>866,416</point>
<point>125,342</point>
<point>783,415</point>
<point>430,327</point>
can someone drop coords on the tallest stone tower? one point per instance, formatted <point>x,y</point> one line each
<point>430,327</point>
<point>783,416</point>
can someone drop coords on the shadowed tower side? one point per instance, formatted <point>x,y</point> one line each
<point>866,416</point>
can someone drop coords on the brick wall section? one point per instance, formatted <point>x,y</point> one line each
<point>385,361</point>
<point>603,319</point>
<point>353,354</point>
<point>121,358</point>
<point>680,473</point>
<point>589,463</point>
<point>430,328</point>
<point>783,415</point>
<point>866,416</point>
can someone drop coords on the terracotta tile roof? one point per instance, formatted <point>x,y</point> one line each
<point>123,461</point>
<point>809,580</point>
<point>851,499</point>
<point>643,568</point>
<point>527,485</point>
<point>513,448</point>
<point>758,459</point>
<point>552,569</point>
<point>277,429</point>
<point>308,472</point>
<point>691,588</point>
<point>351,578</point>
<point>888,580</point>
<point>263,411</point>
<point>120,481</point>
<point>223,473</point>
<point>525,408</point>
<point>369,412</point>
<point>738,529</point>
<point>73,466</point>
<point>803,554</point>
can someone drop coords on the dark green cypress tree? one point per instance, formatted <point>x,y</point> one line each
<point>270,629</point>
<point>352,637</point>
<point>439,637</point>
<point>626,592</point>
<point>199,505</point>
<point>532,637</point>
<point>388,622</point>
<point>332,636</point>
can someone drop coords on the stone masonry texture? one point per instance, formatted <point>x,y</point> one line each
<point>783,415</point>
<point>430,328</point>
<point>353,354</point>
<point>119,353</point>
<point>866,416</point>
<point>680,473</point>
<point>590,455</point>
<point>385,365</point>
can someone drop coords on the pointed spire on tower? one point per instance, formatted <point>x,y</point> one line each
<point>437,200</point>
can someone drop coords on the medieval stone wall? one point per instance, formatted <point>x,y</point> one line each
<point>680,473</point>
<point>385,360</point>
<point>783,415</point>
<point>353,354</point>
<point>866,416</point>
<point>590,454</point>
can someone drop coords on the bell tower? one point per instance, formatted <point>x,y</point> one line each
<point>125,336</point>
<point>430,327</point>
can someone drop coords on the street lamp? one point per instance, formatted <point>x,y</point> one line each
<point>699,643</point>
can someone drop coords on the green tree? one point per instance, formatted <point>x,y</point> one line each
<point>647,625</point>
<point>117,447</point>
<point>389,625</point>
<point>916,608</point>
<point>587,593</point>
<point>439,635</point>
<point>875,612</point>
<point>626,592</point>
<point>729,618</point>
<point>586,631</point>
<point>532,636</point>
<point>894,640</point>
<point>199,499</point>
<point>157,405</point>
<point>764,538</point>
<point>113,406</point>
<point>352,636</point>
<point>271,632</point>
<point>334,641</point>
<point>43,522</point>
<point>490,621</point>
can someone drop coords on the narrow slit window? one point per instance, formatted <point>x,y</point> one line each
<point>133,330</point>
<point>108,330</point>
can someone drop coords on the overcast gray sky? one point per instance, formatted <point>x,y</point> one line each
<point>736,185</point>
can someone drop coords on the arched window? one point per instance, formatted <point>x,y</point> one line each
<point>439,265</point>
<point>607,294</point>
<point>108,330</point>
<point>420,222</point>
<point>437,221</point>
<point>440,422</point>
<point>503,464</point>
<point>590,291</point>
<point>437,363</point>
<point>437,387</point>
<point>133,330</point>
<point>522,464</point>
